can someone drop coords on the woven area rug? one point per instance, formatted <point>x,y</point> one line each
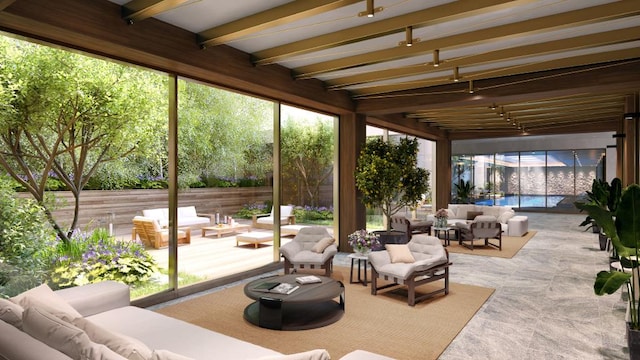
<point>383,324</point>
<point>510,246</point>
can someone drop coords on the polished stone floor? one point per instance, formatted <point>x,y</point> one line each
<point>543,306</point>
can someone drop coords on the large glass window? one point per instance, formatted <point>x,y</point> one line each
<point>533,179</point>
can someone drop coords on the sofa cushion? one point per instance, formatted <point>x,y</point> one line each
<point>63,336</point>
<point>400,253</point>
<point>128,347</point>
<point>472,214</point>
<point>43,297</point>
<point>161,354</point>
<point>317,354</point>
<point>322,244</point>
<point>11,313</point>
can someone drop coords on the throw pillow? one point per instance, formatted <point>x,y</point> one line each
<point>55,332</point>
<point>505,216</point>
<point>400,253</point>
<point>317,354</point>
<point>322,244</point>
<point>11,313</point>
<point>128,347</point>
<point>472,214</point>
<point>167,355</point>
<point>43,297</point>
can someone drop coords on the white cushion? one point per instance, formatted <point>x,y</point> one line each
<point>400,253</point>
<point>128,347</point>
<point>63,336</point>
<point>167,355</point>
<point>11,313</point>
<point>317,354</point>
<point>43,297</point>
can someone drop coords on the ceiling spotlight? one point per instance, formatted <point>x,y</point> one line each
<point>470,86</point>
<point>456,74</point>
<point>436,58</point>
<point>371,9</point>
<point>409,37</point>
<point>509,117</point>
<point>493,107</point>
<point>502,111</point>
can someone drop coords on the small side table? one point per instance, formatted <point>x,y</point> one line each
<point>446,230</point>
<point>362,259</point>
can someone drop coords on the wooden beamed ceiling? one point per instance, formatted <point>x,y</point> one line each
<point>465,56</point>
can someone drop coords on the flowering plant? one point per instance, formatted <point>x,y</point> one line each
<point>362,239</point>
<point>442,214</point>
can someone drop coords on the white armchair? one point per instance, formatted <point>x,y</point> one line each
<point>418,262</point>
<point>312,248</point>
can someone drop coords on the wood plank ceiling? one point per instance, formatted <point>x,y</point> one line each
<point>473,68</point>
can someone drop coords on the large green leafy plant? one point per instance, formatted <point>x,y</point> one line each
<point>603,195</point>
<point>388,177</point>
<point>623,228</point>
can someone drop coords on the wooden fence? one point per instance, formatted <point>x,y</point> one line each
<point>99,208</point>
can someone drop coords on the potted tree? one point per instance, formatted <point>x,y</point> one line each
<point>607,197</point>
<point>388,177</point>
<point>623,228</point>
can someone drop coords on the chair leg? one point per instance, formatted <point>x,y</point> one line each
<point>287,266</point>
<point>374,281</point>
<point>411,288</point>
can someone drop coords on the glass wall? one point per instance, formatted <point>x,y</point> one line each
<point>532,179</point>
<point>230,151</point>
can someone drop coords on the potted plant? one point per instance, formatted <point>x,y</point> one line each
<point>463,191</point>
<point>362,241</point>
<point>622,226</point>
<point>388,177</point>
<point>607,197</point>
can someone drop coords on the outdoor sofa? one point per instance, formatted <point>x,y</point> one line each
<point>187,217</point>
<point>94,321</point>
<point>511,224</point>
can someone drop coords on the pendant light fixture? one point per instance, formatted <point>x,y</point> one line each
<point>371,10</point>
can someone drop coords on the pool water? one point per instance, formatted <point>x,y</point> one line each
<point>525,201</point>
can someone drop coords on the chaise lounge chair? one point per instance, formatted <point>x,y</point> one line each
<point>152,235</point>
<point>265,221</point>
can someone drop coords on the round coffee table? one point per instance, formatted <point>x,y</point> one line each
<point>310,306</point>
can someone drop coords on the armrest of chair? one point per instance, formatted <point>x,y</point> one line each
<point>329,252</point>
<point>291,248</point>
<point>291,219</point>
<point>255,217</point>
<point>378,259</point>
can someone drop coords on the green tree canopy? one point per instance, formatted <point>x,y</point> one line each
<point>63,115</point>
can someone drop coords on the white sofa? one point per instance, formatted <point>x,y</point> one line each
<point>97,322</point>
<point>187,217</point>
<point>505,215</point>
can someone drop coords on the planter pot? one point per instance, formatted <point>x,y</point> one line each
<point>595,227</point>
<point>603,240</point>
<point>633,341</point>
<point>391,237</point>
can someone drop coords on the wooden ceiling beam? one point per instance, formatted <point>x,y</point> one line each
<point>578,42</point>
<point>503,71</point>
<point>5,3</point>
<point>430,16</point>
<point>280,15</point>
<point>138,10</point>
<point>552,22</point>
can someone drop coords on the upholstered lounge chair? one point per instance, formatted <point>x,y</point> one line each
<point>422,260</point>
<point>484,227</point>
<point>265,221</point>
<point>411,227</point>
<point>312,248</point>
<point>152,235</point>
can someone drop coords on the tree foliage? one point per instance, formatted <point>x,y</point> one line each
<point>307,158</point>
<point>388,177</point>
<point>64,115</point>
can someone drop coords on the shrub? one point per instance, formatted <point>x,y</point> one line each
<point>313,214</point>
<point>248,210</point>
<point>24,237</point>
<point>96,256</point>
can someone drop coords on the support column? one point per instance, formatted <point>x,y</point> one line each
<point>443,174</point>
<point>352,213</point>
<point>630,143</point>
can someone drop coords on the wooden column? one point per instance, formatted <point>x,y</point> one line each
<point>443,174</point>
<point>352,134</point>
<point>630,144</point>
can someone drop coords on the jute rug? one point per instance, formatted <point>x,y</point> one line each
<point>383,324</point>
<point>510,246</point>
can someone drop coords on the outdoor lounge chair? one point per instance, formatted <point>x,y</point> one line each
<point>152,235</point>
<point>265,221</point>
<point>422,260</point>
<point>312,248</point>
<point>411,227</point>
<point>485,227</point>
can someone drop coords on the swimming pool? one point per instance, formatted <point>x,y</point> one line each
<point>525,201</point>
